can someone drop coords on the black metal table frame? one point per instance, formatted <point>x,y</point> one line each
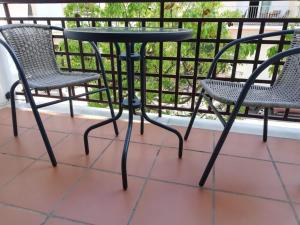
<point>131,107</point>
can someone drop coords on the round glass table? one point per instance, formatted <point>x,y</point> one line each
<point>129,36</point>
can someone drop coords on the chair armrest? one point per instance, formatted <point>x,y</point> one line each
<point>56,28</point>
<point>243,40</point>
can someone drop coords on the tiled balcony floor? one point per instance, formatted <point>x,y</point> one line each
<point>252,183</point>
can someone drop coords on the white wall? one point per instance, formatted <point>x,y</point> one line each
<point>48,10</point>
<point>8,74</point>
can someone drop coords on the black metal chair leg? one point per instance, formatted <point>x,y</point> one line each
<point>265,132</point>
<point>13,108</point>
<point>42,129</point>
<point>70,102</point>
<point>187,133</point>
<point>220,143</point>
<point>215,154</point>
<point>142,125</point>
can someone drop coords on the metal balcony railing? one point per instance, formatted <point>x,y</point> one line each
<point>239,27</point>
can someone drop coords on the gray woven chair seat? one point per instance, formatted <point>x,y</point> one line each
<point>285,92</point>
<point>34,49</point>
<point>228,92</point>
<point>60,79</point>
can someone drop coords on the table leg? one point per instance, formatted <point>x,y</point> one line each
<point>115,118</point>
<point>130,77</point>
<point>143,101</point>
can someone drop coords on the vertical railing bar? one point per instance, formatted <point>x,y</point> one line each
<point>280,48</point>
<point>113,72</point>
<point>67,54</point>
<point>66,48</point>
<point>49,24</point>
<point>97,68</point>
<point>257,53</point>
<point>235,58</point>
<point>81,49</point>
<point>217,47</point>
<point>60,92</point>
<point>177,74</point>
<point>196,62</point>
<point>81,55</point>
<point>237,50</point>
<point>286,114</point>
<point>276,66</point>
<point>161,46</point>
<point>7,13</point>
<point>258,46</point>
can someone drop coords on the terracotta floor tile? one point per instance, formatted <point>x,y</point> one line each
<point>284,150</point>
<point>5,114</point>
<point>245,145</point>
<point>236,210</point>
<point>187,170</point>
<point>57,221</point>
<point>106,131</point>
<point>10,166</point>
<point>163,203</point>
<point>6,134</point>
<point>71,150</point>
<point>64,123</point>
<point>40,186</point>
<point>15,216</point>
<point>31,144</point>
<point>139,160</point>
<point>289,175</point>
<point>100,199</point>
<point>297,209</point>
<point>199,140</point>
<point>152,134</point>
<point>25,118</point>
<point>248,176</point>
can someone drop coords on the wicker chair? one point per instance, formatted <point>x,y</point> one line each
<point>284,93</point>
<point>31,48</point>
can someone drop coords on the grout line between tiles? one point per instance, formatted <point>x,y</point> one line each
<point>23,170</point>
<point>284,187</point>
<point>214,186</point>
<point>74,185</point>
<point>148,178</point>
<point>143,189</point>
<point>23,208</point>
<point>48,215</point>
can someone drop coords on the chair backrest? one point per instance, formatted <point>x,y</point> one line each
<point>33,47</point>
<point>288,81</point>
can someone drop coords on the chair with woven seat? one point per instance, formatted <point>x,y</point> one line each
<point>284,93</point>
<point>32,50</point>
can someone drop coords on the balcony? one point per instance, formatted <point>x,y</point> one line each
<point>252,182</point>
<point>249,183</point>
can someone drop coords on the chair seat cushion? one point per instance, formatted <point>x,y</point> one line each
<point>258,96</point>
<point>61,79</point>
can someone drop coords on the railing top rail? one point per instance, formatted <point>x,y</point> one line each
<point>157,19</point>
<point>103,1</point>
